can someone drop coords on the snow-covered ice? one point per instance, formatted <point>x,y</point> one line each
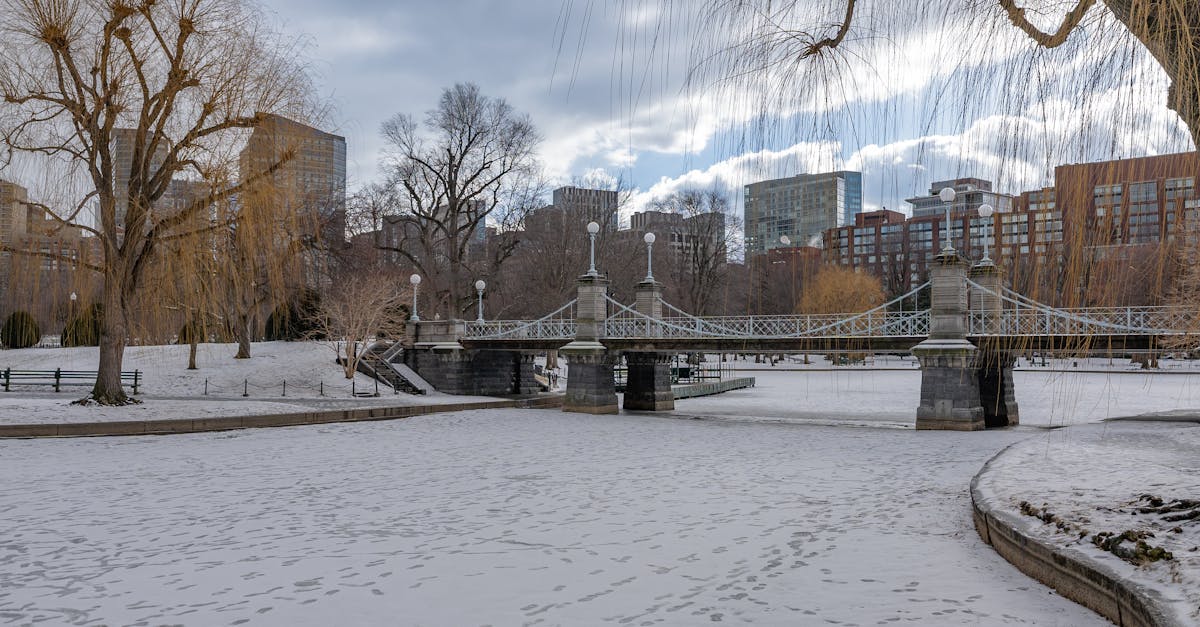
<point>890,397</point>
<point>509,517</point>
<point>773,508</point>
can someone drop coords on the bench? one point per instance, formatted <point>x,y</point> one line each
<point>59,377</point>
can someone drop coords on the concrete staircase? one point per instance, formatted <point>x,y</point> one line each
<point>377,363</point>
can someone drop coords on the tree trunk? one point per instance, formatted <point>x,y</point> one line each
<point>1171,32</point>
<point>195,341</point>
<point>351,363</point>
<point>241,330</point>
<point>108,389</point>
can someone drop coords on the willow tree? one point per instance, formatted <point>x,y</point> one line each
<point>119,99</point>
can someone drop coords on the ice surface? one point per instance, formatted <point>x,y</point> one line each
<point>510,517</point>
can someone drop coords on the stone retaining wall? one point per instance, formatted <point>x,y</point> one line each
<point>225,423</point>
<point>714,387</point>
<point>1072,573</point>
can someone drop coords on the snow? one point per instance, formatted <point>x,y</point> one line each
<point>768,505</point>
<point>1092,477</point>
<point>169,390</point>
<point>857,396</point>
<point>304,365</point>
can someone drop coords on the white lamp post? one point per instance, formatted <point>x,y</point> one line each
<point>592,229</point>
<point>947,195</point>
<point>416,281</point>
<point>785,240</point>
<point>649,239</point>
<point>985,211</point>
<point>479,287</point>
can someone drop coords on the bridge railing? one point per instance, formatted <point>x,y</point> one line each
<point>557,325</point>
<point>627,323</point>
<point>1031,321</point>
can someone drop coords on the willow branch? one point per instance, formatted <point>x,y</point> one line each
<point>1017,16</point>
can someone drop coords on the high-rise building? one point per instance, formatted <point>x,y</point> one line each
<point>40,254</point>
<point>685,236</point>
<point>1101,235</point>
<point>589,205</point>
<point>123,145</point>
<point>801,208</point>
<point>1127,202</point>
<point>13,212</point>
<point>972,193</point>
<point>312,183</point>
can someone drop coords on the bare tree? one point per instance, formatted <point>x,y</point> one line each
<point>358,307</point>
<point>471,161</point>
<point>698,247</point>
<point>174,84</point>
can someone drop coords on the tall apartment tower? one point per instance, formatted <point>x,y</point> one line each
<point>801,207</point>
<point>313,182</point>
<point>590,205</point>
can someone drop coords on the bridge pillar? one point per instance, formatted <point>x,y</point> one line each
<point>648,301</point>
<point>997,393</point>
<point>648,383</point>
<point>450,368</point>
<point>590,385</point>
<point>949,382</point>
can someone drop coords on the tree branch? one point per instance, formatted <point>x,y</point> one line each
<point>1017,16</point>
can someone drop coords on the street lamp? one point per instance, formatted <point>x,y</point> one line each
<point>416,281</point>
<point>649,239</point>
<point>985,211</point>
<point>479,287</point>
<point>785,240</point>
<point>592,229</point>
<point>947,195</point>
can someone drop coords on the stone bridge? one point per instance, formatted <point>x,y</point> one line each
<point>966,343</point>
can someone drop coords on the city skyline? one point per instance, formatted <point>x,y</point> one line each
<point>641,125</point>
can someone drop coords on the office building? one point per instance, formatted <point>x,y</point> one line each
<point>799,208</point>
<point>311,185</point>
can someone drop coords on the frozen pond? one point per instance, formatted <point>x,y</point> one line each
<point>510,517</point>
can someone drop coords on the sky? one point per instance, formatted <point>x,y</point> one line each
<point>619,91</point>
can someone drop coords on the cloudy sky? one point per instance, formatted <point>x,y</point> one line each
<point>619,91</point>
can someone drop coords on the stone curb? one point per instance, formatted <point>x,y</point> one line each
<point>1072,573</point>
<point>708,389</point>
<point>226,423</point>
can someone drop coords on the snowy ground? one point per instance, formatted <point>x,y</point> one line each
<point>172,391</point>
<point>1091,478</point>
<point>510,517</point>
<point>304,365</point>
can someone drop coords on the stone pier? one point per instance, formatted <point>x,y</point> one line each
<point>648,384</point>
<point>590,385</point>
<point>949,382</point>
<point>997,394</point>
